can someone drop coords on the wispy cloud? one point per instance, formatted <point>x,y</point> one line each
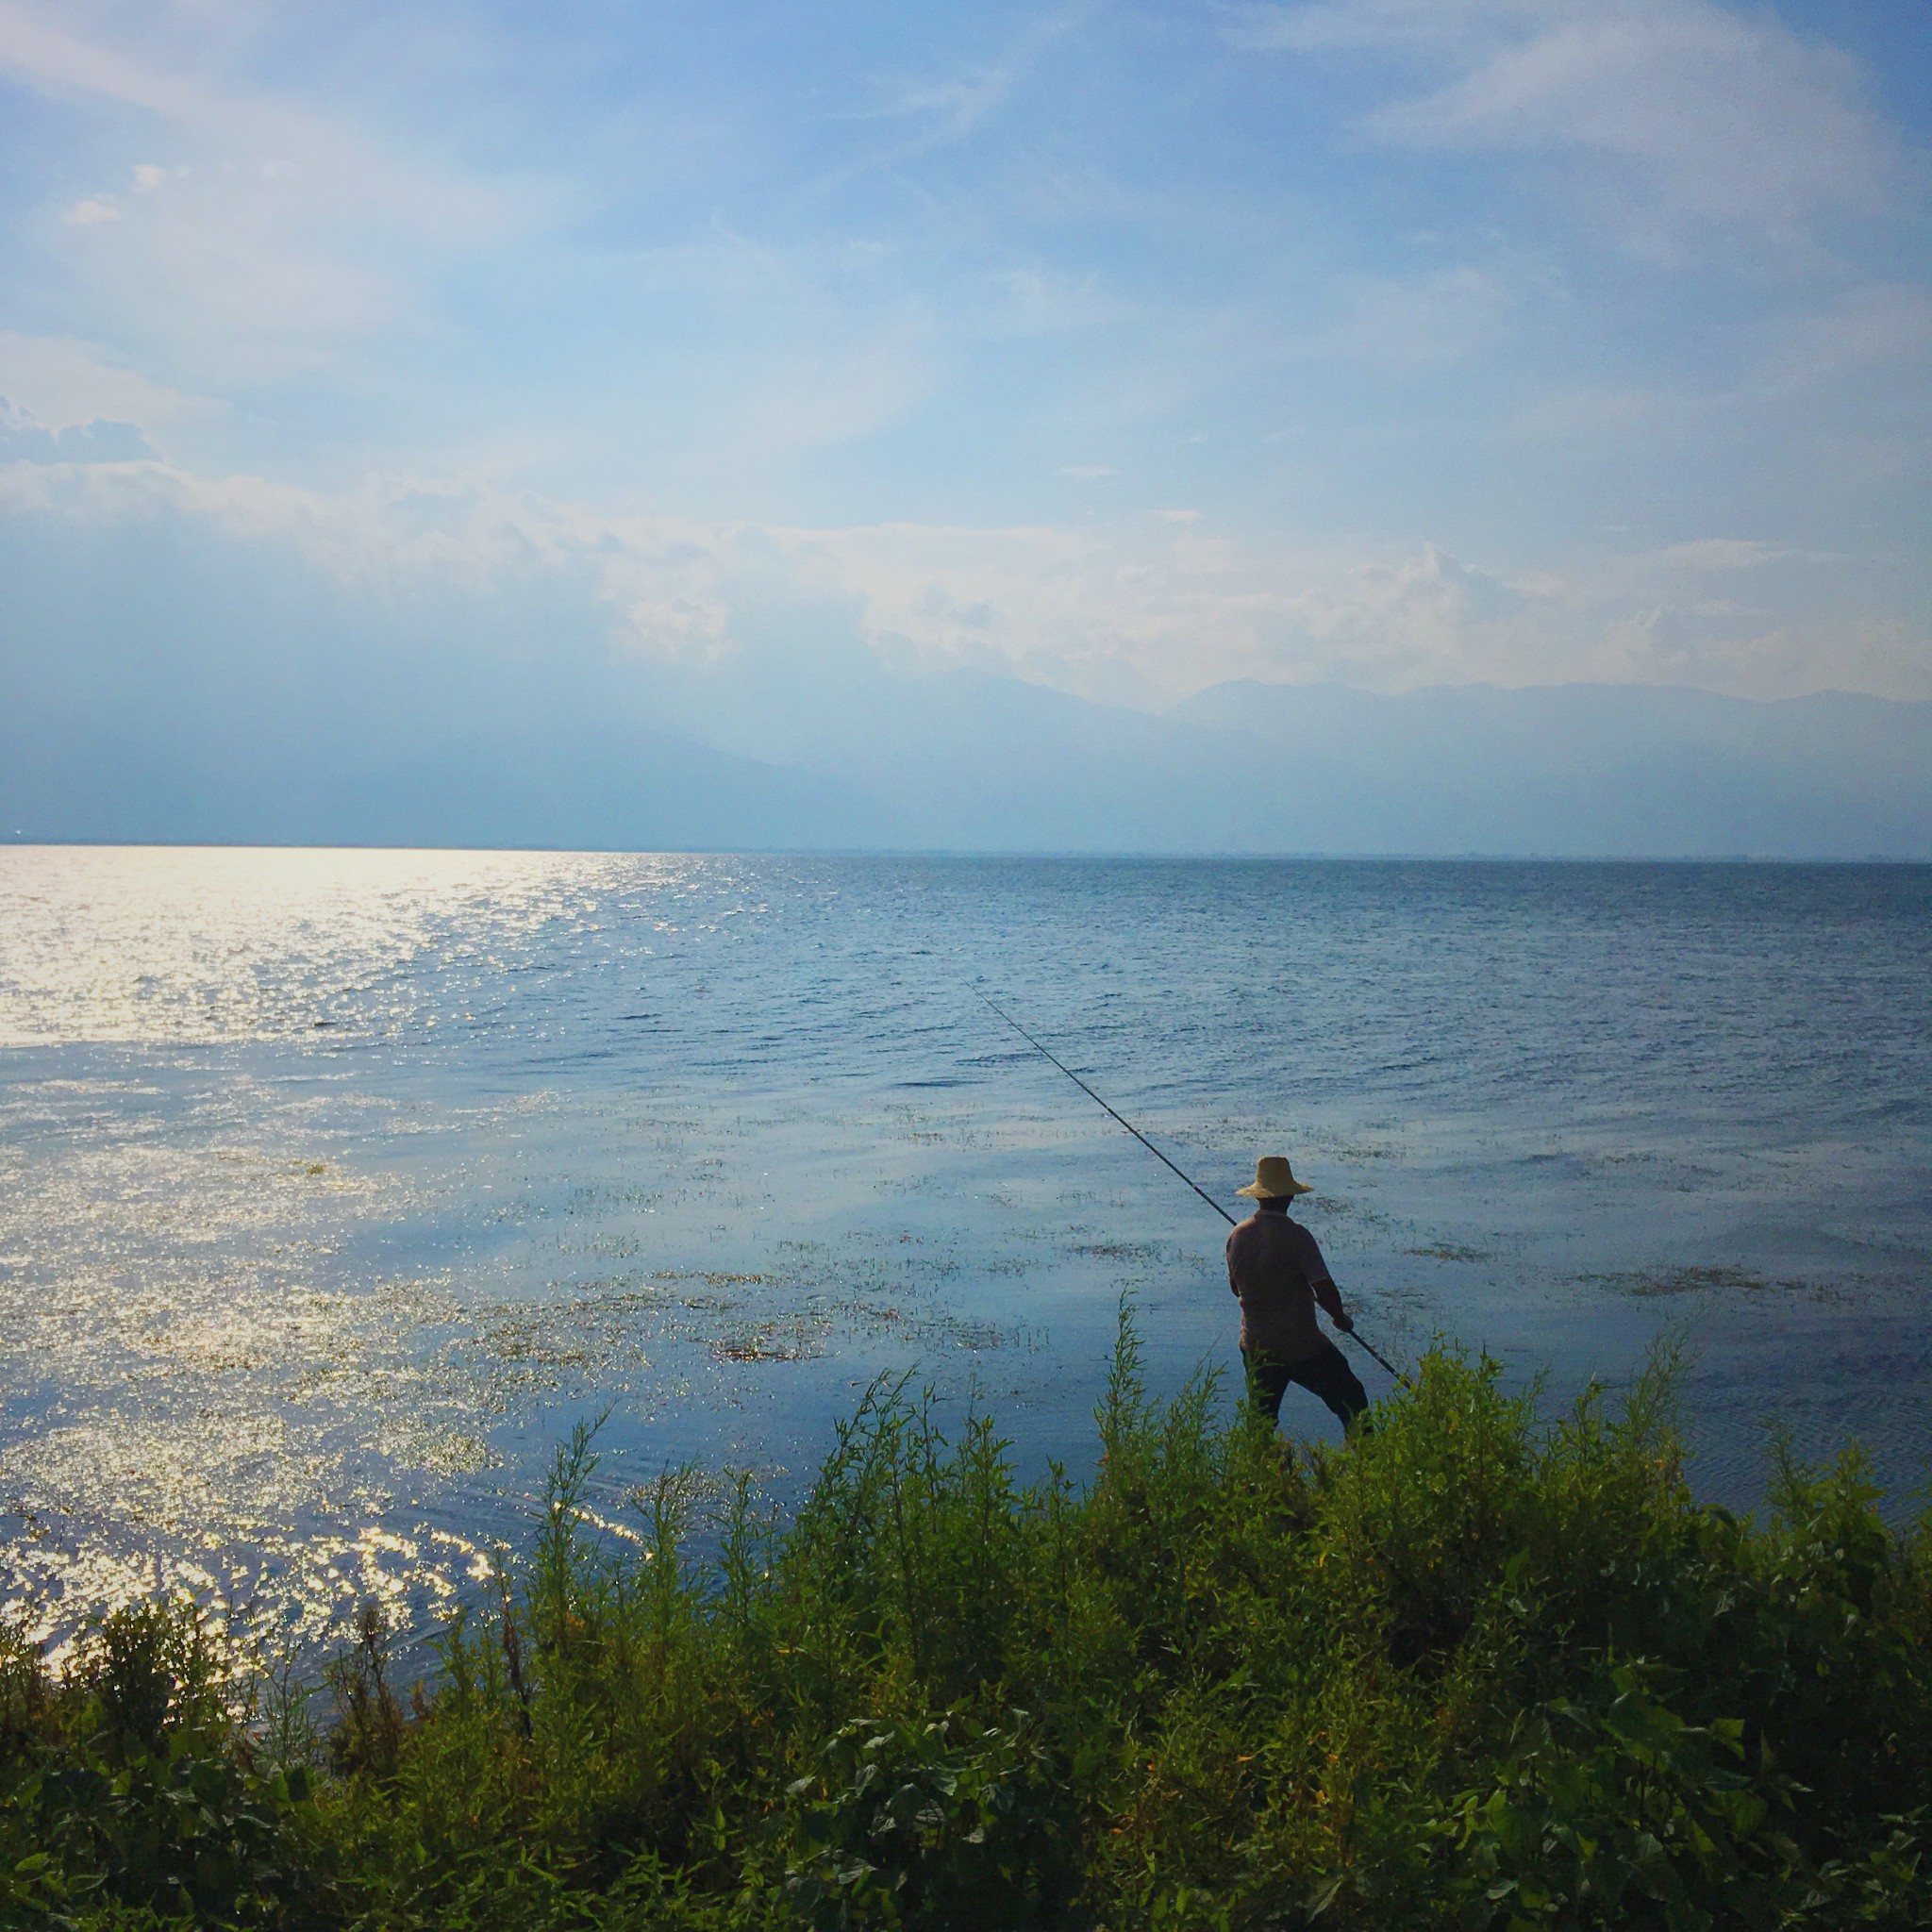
<point>41,45</point>
<point>1844,381</point>
<point>1418,322</point>
<point>948,109</point>
<point>1146,614</point>
<point>1718,554</point>
<point>274,231</point>
<point>1688,118</point>
<point>24,441</point>
<point>936,316</point>
<point>1873,329</point>
<point>63,383</point>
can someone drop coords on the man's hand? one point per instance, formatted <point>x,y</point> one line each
<point>1344,1324</point>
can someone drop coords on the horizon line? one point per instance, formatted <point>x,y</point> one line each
<point>1192,855</point>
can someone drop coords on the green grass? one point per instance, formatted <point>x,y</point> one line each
<point>1477,1670</point>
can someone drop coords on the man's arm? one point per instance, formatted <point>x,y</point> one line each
<point>1315,1270</point>
<point>1330,1297</point>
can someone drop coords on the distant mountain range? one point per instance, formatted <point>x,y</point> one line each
<point>967,760</point>
<point>1581,769</point>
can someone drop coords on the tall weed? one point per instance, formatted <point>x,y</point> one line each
<point>1477,1669</point>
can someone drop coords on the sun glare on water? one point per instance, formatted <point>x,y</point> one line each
<point>201,944</point>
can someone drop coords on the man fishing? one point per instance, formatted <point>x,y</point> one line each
<point>1274,1267</point>
<point>1277,1269</point>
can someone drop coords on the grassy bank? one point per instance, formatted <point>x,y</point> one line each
<point>1476,1671</point>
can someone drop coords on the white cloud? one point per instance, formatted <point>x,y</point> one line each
<point>1668,644</point>
<point>1695,118</point>
<point>1877,328</point>
<point>803,346</point>
<point>1423,323</point>
<point>1145,613</point>
<point>951,108</point>
<point>89,213</point>
<point>40,46</point>
<point>24,439</point>
<point>1842,391</point>
<point>1599,415</point>
<point>1717,554</point>
<point>276,233</point>
<point>1037,301</point>
<point>62,382</point>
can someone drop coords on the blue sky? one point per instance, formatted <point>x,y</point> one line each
<point>1125,348</point>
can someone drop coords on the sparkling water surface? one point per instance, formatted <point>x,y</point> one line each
<point>336,1186</point>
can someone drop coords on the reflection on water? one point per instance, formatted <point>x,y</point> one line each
<point>202,944</point>
<point>334,1186</point>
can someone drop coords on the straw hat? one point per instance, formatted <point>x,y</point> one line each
<point>1274,1179</point>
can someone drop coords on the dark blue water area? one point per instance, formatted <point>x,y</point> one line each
<point>340,1186</point>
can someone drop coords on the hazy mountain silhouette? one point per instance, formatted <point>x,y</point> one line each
<point>1592,769</point>
<point>592,787</point>
<point>968,760</point>
<point>255,697</point>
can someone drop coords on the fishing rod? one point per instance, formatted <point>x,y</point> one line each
<point>1114,1114</point>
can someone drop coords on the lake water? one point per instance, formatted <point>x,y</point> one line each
<point>336,1186</point>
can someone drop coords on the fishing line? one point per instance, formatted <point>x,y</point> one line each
<point>1114,1114</point>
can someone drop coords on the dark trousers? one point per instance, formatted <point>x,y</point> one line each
<point>1327,1375</point>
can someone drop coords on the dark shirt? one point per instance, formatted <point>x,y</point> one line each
<point>1274,1266</point>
